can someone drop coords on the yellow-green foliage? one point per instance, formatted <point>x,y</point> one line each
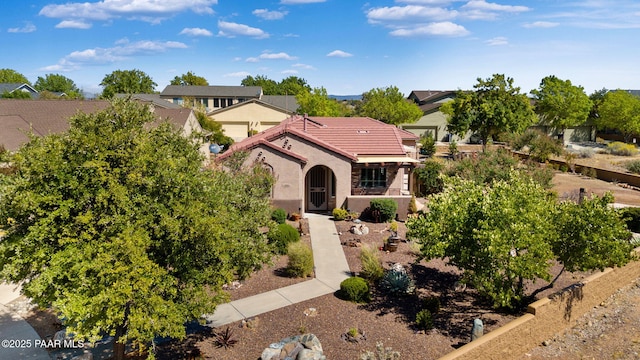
<point>300,260</point>
<point>372,269</point>
<point>621,149</point>
<point>339,214</point>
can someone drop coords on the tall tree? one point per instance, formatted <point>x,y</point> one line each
<point>269,87</point>
<point>318,103</point>
<point>495,106</point>
<point>561,104</point>
<point>620,110</point>
<point>116,226</point>
<point>215,129</point>
<point>57,83</point>
<point>189,79</point>
<point>293,85</point>
<point>12,76</point>
<point>388,105</point>
<point>127,82</point>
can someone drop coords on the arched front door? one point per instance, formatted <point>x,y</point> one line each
<point>317,185</point>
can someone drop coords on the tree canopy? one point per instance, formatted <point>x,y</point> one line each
<point>127,82</point>
<point>118,228</point>
<point>620,110</point>
<point>12,76</point>
<point>57,83</point>
<point>318,103</point>
<point>189,79</point>
<point>388,105</point>
<point>503,233</point>
<point>561,104</point>
<point>291,85</point>
<point>494,107</point>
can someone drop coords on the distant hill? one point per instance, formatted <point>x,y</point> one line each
<point>346,97</point>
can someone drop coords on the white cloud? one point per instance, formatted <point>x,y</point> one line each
<point>269,15</point>
<point>482,10</point>
<point>123,49</point>
<point>196,32</point>
<point>27,28</point>
<point>303,66</point>
<point>339,53</point>
<point>497,41</point>
<point>146,10</point>
<point>239,74</point>
<point>271,56</point>
<point>73,24</point>
<point>229,29</point>
<point>293,2</point>
<point>445,28</point>
<point>289,72</point>
<point>409,12</point>
<point>541,24</point>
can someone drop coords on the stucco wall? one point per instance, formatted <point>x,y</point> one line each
<point>239,120</point>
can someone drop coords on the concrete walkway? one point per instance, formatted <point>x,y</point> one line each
<point>331,269</point>
<point>17,336</point>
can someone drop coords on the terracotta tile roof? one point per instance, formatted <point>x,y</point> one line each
<point>348,136</point>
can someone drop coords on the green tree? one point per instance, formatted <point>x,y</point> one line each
<point>293,85</point>
<point>620,111</point>
<point>318,103</point>
<point>16,95</point>
<point>269,87</point>
<point>189,79</point>
<point>388,105</point>
<point>561,104</point>
<point>496,106</point>
<point>118,228</point>
<point>597,97</point>
<point>56,83</point>
<point>215,129</point>
<point>12,76</point>
<point>127,82</point>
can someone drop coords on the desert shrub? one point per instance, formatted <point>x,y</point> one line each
<point>490,166</point>
<point>428,175</point>
<point>281,236</point>
<point>427,145</point>
<point>300,260</point>
<point>432,303</point>
<point>424,320</point>
<point>539,145</point>
<point>339,214</point>
<point>413,205</point>
<point>633,166</point>
<point>372,269</point>
<point>386,207</point>
<point>631,217</point>
<point>589,172</point>
<point>586,153</point>
<point>397,282</point>
<point>355,289</point>
<point>382,353</point>
<point>279,215</point>
<point>621,149</point>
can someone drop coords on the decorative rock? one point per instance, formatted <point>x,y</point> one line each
<point>270,354</point>
<point>290,350</point>
<point>299,347</point>
<point>477,330</point>
<point>307,354</point>
<point>311,342</point>
<point>365,230</point>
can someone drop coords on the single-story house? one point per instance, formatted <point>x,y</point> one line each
<point>241,120</point>
<point>433,120</point>
<point>321,163</point>
<point>20,87</point>
<point>19,117</point>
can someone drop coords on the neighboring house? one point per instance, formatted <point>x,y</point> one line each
<point>19,118</point>
<point>151,99</point>
<point>433,120</point>
<point>321,163</point>
<point>12,87</point>
<point>211,97</point>
<point>241,120</point>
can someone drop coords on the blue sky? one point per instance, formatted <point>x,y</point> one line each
<point>346,46</point>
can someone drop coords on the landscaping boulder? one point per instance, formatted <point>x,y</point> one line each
<point>301,347</point>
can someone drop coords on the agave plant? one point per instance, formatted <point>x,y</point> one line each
<point>396,281</point>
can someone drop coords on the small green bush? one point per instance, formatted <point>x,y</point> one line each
<point>621,149</point>
<point>427,145</point>
<point>631,216</point>
<point>281,236</point>
<point>428,176</point>
<point>413,205</point>
<point>386,207</point>
<point>300,260</point>
<point>339,214</point>
<point>589,172</point>
<point>424,320</point>
<point>372,269</point>
<point>355,289</point>
<point>397,282</point>
<point>633,166</point>
<point>432,303</point>
<point>279,216</point>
